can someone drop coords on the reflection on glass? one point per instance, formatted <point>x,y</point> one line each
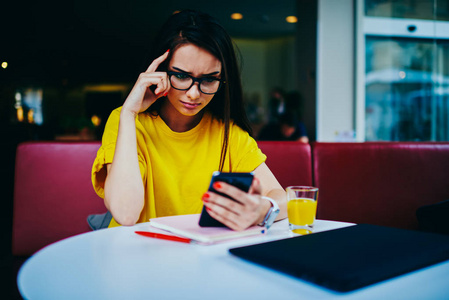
<point>29,101</point>
<point>407,89</point>
<point>408,9</point>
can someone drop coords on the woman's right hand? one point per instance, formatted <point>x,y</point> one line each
<point>141,96</point>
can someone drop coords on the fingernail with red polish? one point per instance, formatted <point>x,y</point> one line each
<point>217,185</point>
<point>208,209</point>
<point>165,95</point>
<point>167,51</point>
<point>205,197</point>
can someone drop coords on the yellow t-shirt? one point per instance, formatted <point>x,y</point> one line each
<point>176,167</point>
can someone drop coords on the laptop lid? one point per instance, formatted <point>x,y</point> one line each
<point>352,257</point>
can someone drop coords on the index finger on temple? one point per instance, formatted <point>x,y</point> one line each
<point>153,66</point>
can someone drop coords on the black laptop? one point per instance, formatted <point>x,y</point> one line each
<point>352,257</point>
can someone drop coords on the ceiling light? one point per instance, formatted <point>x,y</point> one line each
<point>4,65</point>
<point>291,19</point>
<point>236,16</point>
<point>96,120</point>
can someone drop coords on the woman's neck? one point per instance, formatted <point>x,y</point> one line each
<point>177,121</point>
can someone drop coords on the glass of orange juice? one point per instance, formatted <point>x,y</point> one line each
<point>301,208</point>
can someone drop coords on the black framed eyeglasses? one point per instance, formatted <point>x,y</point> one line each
<point>183,82</point>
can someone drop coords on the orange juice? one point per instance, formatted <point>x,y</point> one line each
<point>301,211</point>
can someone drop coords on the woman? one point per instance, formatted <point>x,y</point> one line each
<point>184,119</point>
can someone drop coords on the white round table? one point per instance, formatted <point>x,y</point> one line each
<point>116,263</point>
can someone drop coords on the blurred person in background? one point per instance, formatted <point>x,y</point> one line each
<point>287,128</point>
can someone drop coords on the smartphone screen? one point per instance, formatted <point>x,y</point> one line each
<point>242,181</point>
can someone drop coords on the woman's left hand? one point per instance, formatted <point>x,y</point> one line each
<point>248,209</point>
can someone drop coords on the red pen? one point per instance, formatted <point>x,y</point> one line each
<point>164,236</point>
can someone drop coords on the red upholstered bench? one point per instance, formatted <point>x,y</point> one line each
<point>381,183</point>
<point>376,183</point>
<point>53,193</point>
<point>290,162</point>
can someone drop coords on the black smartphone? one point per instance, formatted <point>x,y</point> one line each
<point>242,181</point>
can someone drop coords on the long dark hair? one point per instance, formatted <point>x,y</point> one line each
<point>204,31</point>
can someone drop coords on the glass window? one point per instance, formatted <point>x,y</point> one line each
<point>406,82</point>
<point>408,9</point>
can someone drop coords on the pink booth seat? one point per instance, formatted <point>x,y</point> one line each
<point>290,162</point>
<point>380,183</point>
<point>53,193</point>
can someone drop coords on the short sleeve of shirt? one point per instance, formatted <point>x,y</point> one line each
<point>105,153</point>
<point>245,153</point>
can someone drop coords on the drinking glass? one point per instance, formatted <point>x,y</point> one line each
<point>301,208</point>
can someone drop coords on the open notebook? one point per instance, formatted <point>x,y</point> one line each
<point>350,258</point>
<point>187,226</point>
